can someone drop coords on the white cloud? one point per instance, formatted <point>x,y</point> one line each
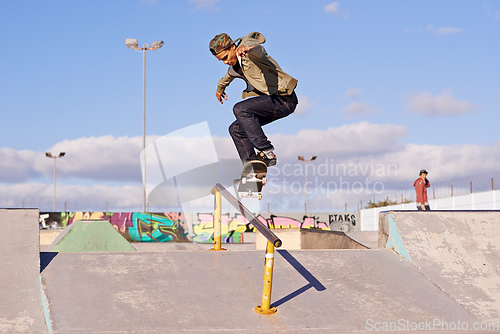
<point>332,8</point>
<point>410,30</point>
<point>443,104</point>
<point>99,158</point>
<point>353,93</point>
<point>94,158</point>
<point>349,155</point>
<point>443,31</point>
<point>359,109</point>
<point>110,159</point>
<point>445,162</point>
<point>16,166</point>
<point>371,156</point>
<point>304,105</point>
<point>488,11</point>
<point>205,4</point>
<point>346,140</point>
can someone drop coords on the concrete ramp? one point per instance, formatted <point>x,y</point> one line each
<point>315,291</point>
<point>90,236</point>
<point>21,299</point>
<point>459,251</point>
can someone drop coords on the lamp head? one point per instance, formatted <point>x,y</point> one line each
<point>156,45</point>
<point>131,43</point>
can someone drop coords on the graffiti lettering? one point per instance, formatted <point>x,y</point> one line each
<point>134,226</point>
<point>343,218</point>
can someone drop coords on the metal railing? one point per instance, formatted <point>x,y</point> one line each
<point>273,241</point>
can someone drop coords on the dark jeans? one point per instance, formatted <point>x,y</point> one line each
<point>251,114</point>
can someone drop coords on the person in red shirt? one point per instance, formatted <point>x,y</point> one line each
<point>421,184</point>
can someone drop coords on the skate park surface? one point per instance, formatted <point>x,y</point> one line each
<point>433,272</point>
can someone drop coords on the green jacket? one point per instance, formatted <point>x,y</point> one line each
<point>260,70</point>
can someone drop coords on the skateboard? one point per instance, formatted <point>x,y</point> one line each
<point>253,178</point>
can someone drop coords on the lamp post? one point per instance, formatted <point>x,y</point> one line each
<point>132,43</point>
<point>301,158</point>
<point>49,155</point>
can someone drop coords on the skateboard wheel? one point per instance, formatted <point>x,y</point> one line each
<point>244,180</point>
<point>240,195</point>
<point>264,180</point>
<point>259,197</point>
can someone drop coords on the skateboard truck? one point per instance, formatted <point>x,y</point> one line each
<point>253,178</point>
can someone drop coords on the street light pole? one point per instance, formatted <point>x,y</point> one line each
<point>49,155</point>
<point>144,127</point>
<point>132,43</point>
<point>301,158</point>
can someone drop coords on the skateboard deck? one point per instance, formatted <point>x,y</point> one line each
<point>253,178</point>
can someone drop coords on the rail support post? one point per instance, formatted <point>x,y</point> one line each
<point>265,307</point>
<point>217,221</point>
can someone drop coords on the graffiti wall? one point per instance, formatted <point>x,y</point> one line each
<point>196,227</point>
<point>233,226</point>
<point>134,226</point>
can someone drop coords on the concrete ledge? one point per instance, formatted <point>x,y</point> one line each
<point>367,238</point>
<point>304,238</point>
<point>21,302</point>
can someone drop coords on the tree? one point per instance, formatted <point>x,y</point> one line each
<point>385,202</point>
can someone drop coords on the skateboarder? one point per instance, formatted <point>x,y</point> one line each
<point>272,91</point>
<point>421,184</point>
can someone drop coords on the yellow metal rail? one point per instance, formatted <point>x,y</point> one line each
<point>217,222</point>
<point>273,241</point>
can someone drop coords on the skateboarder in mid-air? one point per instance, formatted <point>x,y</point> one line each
<point>272,91</point>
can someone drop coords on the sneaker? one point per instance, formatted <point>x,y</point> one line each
<point>268,158</point>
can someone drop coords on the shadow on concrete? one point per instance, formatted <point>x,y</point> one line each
<point>313,282</point>
<point>45,259</point>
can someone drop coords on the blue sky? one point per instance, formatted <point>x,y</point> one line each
<point>411,83</point>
